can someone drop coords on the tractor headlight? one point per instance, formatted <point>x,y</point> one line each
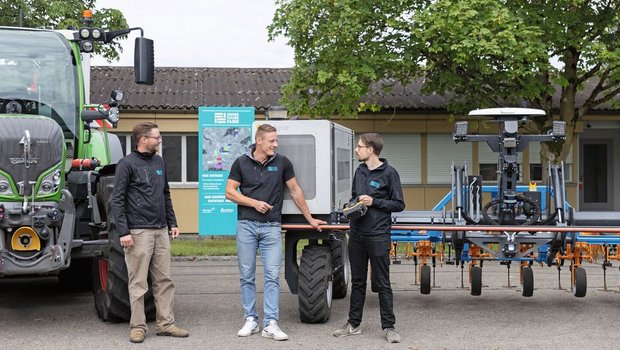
<point>46,187</point>
<point>117,95</point>
<point>50,183</point>
<point>113,115</point>
<point>5,187</point>
<point>87,46</point>
<point>84,33</point>
<point>96,34</point>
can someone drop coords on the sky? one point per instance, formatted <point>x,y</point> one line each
<point>203,33</point>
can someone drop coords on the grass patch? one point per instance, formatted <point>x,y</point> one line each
<point>211,247</point>
<point>203,247</point>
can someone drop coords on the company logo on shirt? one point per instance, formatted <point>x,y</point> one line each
<point>272,168</point>
<point>374,184</point>
<point>159,172</point>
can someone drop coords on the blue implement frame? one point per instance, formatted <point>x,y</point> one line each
<point>540,239</point>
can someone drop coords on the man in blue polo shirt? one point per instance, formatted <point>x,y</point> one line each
<point>256,184</point>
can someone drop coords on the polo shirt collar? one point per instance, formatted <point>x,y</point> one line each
<point>250,154</point>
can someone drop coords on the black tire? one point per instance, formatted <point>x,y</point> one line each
<point>527,274</point>
<point>581,282</point>
<point>476,280</point>
<point>340,262</point>
<point>110,275</point>
<point>78,276</point>
<point>425,279</point>
<point>315,284</point>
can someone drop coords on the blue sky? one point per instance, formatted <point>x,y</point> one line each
<point>203,33</point>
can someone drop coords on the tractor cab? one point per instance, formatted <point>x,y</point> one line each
<point>39,77</point>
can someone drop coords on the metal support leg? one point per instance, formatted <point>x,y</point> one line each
<point>604,277</point>
<point>508,269</point>
<point>434,270</point>
<point>415,270</point>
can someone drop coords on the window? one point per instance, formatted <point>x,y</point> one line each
<point>402,151</point>
<point>171,151</point>
<point>299,149</point>
<point>126,142</point>
<point>191,153</point>
<point>180,154</point>
<point>537,172</point>
<point>442,153</point>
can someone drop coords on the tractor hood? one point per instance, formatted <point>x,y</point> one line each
<point>29,145</point>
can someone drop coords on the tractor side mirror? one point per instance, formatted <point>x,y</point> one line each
<point>144,61</point>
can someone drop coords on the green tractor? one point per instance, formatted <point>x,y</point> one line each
<point>57,165</point>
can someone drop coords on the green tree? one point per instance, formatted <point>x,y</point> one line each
<point>484,53</point>
<point>62,14</point>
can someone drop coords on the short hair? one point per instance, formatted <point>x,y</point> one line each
<point>142,129</point>
<point>374,140</point>
<point>264,129</point>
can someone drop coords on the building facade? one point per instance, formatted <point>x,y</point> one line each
<point>416,129</point>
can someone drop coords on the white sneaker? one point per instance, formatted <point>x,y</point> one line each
<point>250,327</point>
<point>274,332</point>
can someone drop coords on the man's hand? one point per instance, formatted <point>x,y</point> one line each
<point>127,241</point>
<point>174,232</point>
<point>366,199</point>
<point>316,222</point>
<point>262,207</point>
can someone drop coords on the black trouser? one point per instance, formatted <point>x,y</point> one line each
<point>375,248</point>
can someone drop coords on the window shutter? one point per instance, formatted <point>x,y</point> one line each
<point>442,152</point>
<point>403,152</point>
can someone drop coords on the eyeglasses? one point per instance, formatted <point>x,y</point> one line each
<point>362,146</point>
<point>153,137</point>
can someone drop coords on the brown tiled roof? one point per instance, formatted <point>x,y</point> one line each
<point>188,88</point>
<point>185,89</point>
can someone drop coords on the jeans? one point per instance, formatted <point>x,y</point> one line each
<point>375,248</point>
<point>267,238</point>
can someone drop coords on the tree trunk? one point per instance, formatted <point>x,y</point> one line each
<point>549,152</point>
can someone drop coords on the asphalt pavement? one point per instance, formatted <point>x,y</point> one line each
<point>35,314</point>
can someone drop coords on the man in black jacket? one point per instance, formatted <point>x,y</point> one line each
<point>143,214</point>
<point>377,186</point>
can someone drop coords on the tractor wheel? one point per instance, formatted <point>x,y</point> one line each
<point>110,278</point>
<point>340,261</point>
<point>581,282</point>
<point>476,280</point>
<point>315,284</point>
<point>527,274</point>
<point>78,276</point>
<point>110,286</point>
<point>425,279</point>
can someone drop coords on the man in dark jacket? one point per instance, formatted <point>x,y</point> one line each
<point>377,186</point>
<point>143,214</point>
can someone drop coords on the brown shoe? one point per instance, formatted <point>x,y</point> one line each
<point>136,335</point>
<point>174,331</point>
